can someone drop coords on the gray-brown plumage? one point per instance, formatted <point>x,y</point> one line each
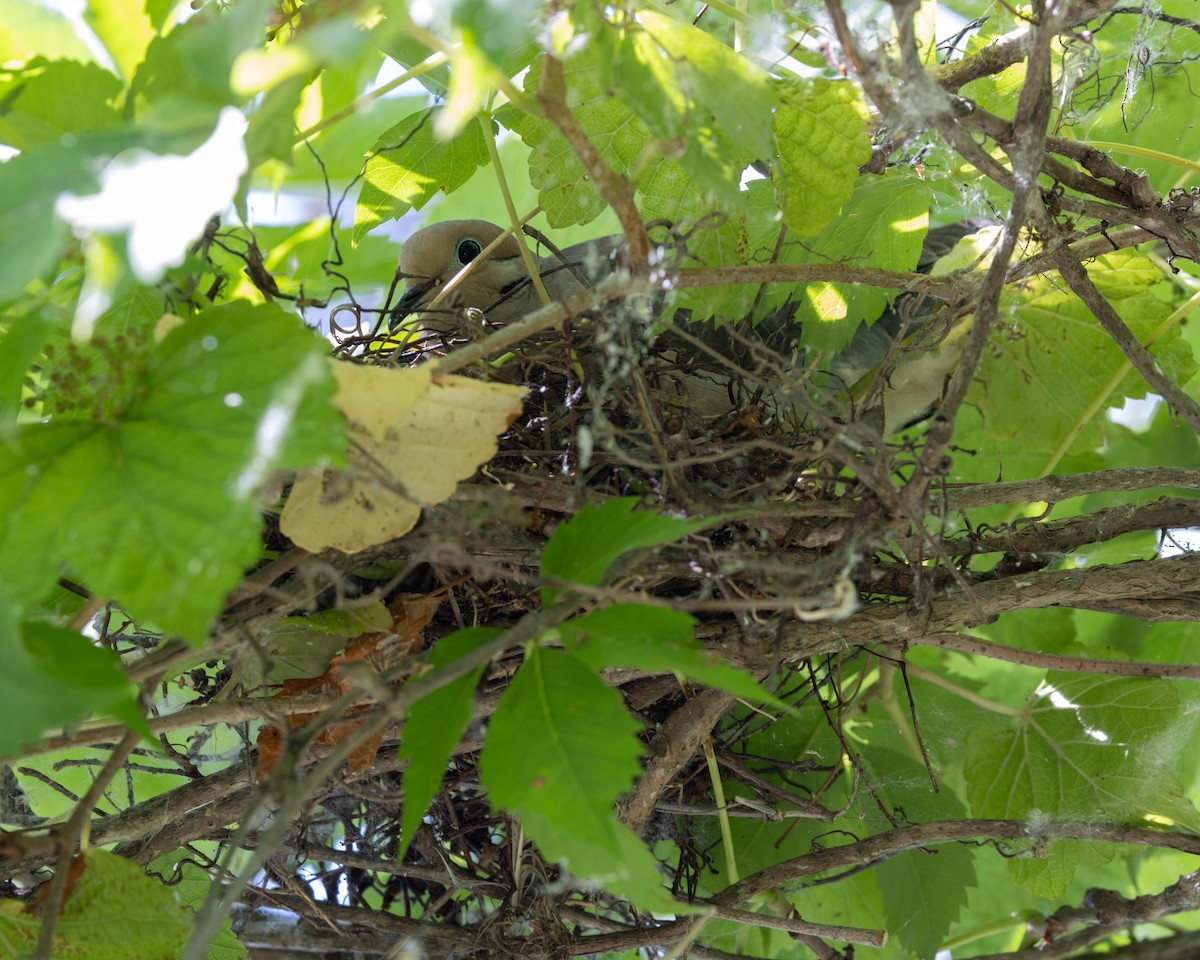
<point>500,287</point>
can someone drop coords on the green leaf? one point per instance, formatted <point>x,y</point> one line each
<point>271,132</point>
<point>565,191</point>
<point>502,29</point>
<point>190,68</point>
<point>821,134</point>
<point>32,238</point>
<point>1087,746</point>
<point>1049,871</point>
<point>657,640</point>
<point>20,343</point>
<point>882,225</point>
<point>65,97</point>
<point>1055,370</point>
<point>685,83</point>
<point>393,40</point>
<point>410,165</point>
<point>29,29</point>
<point>124,29</point>
<point>53,677</point>
<point>435,724</point>
<point>158,506</point>
<point>715,84</point>
<point>923,891</point>
<point>114,912</point>
<point>348,622</point>
<point>563,781</point>
<point>191,885</point>
<point>583,548</point>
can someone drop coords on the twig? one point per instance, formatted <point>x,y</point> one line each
<point>1081,284</point>
<point>1053,661</point>
<point>617,192</point>
<point>69,840</point>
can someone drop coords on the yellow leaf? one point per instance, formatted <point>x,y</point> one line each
<point>413,439</point>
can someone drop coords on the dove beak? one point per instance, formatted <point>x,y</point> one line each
<point>413,294</point>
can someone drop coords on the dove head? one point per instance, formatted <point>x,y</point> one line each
<point>433,256</point>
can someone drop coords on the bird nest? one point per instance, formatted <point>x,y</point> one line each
<point>706,424</point>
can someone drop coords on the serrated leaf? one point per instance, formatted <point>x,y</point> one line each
<point>882,224</point>
<point>1087,746</point>
<point>583,548</point>
<point>435,724</point>
<point>685,83</point>
<point>410,165</point>
<point>1048,872</point>
<point>114,912</point>
<point>821,135</point>
<point>564,188</point>
<point>158,507</point>
<point>563,781</point>
<point>1054,370</point>
<point>657,640</point>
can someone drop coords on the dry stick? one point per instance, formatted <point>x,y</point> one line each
<point>1004,51</point>
<point>1052,537</point>
<point>618,285</point>
<point>939,288</point>
<point>69,843</point>
<point>1054,489</point>
<point>866,936</point>
<point>1029,132</point>
<point>617,192</point>
<point>876,849</point>
<point>1082,286</point>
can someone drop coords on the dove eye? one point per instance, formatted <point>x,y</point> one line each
<point>467,250</point>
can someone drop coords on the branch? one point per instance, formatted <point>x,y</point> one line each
<point>1081,284</point>
<point>617,192</point>
<point>1052,661</point>
<point>876,849</point>
<point>673,745</point>
<point>905,623</point>
<point>1062,536</point>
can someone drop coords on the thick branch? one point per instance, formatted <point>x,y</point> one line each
<point>1076,588</point>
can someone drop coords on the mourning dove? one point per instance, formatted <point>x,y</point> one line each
<point>500,287</point>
